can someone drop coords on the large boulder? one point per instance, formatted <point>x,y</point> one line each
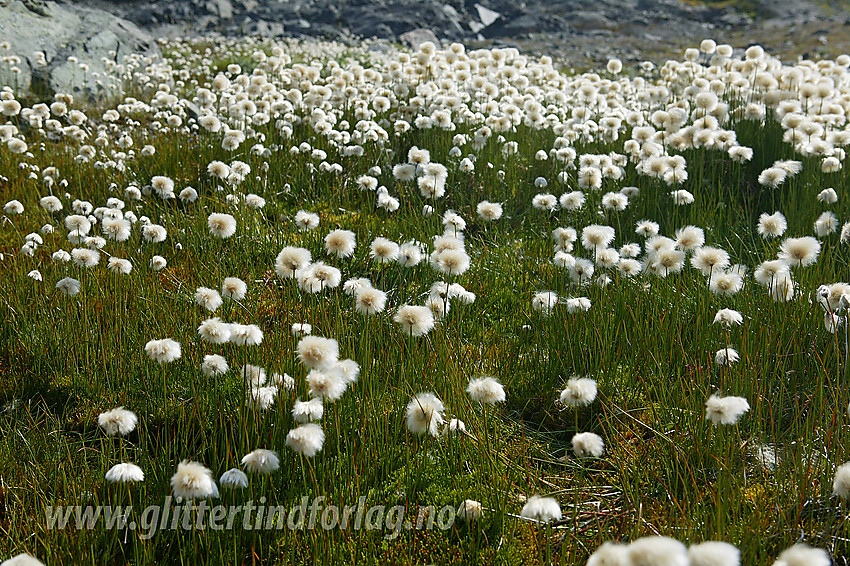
<point>89,37</point>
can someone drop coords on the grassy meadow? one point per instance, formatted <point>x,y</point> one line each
<point>618,226</point>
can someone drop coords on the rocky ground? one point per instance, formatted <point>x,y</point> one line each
<point>580,33</point>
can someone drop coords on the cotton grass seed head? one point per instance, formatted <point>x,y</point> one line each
<point>425,414</point>
<point>799,252</point>
<point>657,551</point>
<point>261,461</point>
<point>306,439</point>
<point>587,444</point>
<point>728,318</point>
<point>193,480</point>
<point>315,352</point>
<point>124,473</point>
<point>725,410</point>
<point>340,243</point>
<point>234,479</point>
<point>802,554</point>
<point>163,351</point>
<point>370,301</point>
<point>470,510</point>
<point>714,553</point>
<point>117,421</point>
<point>329,384</point>
<point>214,365</point>
<point>541,509</point>
<point>486,390</point>
<point>290,260</point>
<point>221,225</point>
<point>69,286</point>
<point>306,411</point>
<point>233,288</point>
<point>414,320</point>
<point>579,391</point>
<point>609,554</point>
<point>841,482</point>
<point>208,298</point>
<point>544,302</point>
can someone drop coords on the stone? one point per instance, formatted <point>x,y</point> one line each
<point>416,37</point>
<point>61,31</point>
<point>486,15</point>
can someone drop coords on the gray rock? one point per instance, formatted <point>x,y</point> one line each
<point>61,31</point>
<point>486,15</point>
<point>416,37</point>
<point>221,8</point>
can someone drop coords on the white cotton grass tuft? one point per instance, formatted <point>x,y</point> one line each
<point>306,439</point>
<point>214,365</point>
<point>470,510</point>
<point>369,301</point>
<point>340,243</point>
<point>83,257</point>
<point>802,554</point>
<point>384,250</point>
<point>207,298</point>
<point>253,376</point>
<point>329,385</point>
<point>657,551</point>
<point>714,553</point>
<point>301,329</point>
<point>486,390</point>
<point>68,286</point>
<point>690,237</point>
<point>262,397</point>
<point>708,260</point>
<point>315,352</point>
<point>124,473</point>
<point>726,356</point>
<point>214,331</point>
<point>193,480</point>
<point>306,220</point>
<point>578,392</point>
<point>544,302</point>
<point>120,266</point>
<point>541,509</point>
<point>799,252</point>
<point>728,318</point>
<point>725,410</point>
<point>414,320</point>
<point>158,263</point>
<point>425,414</point>
<point>578,304</point>
<point>595,236</point>
<point>454,427</point>
<point>234,478</point>
<point>489,211</point>
<point>233,288</point>
<point>245,334</point>
<point>349,370</point>
<point>291,259</point>
<point>22,559</point>
<point>306,411</point>
<point>261,461</point>
<point>587,444</point>
<point>841,482</point>
<point>221,225</point>
<point>609,554</point>
<point>163,351</point>
<point>772,225</point>
<point>118,421</point>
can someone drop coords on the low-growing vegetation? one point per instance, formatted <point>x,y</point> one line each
<point>535,318</point>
